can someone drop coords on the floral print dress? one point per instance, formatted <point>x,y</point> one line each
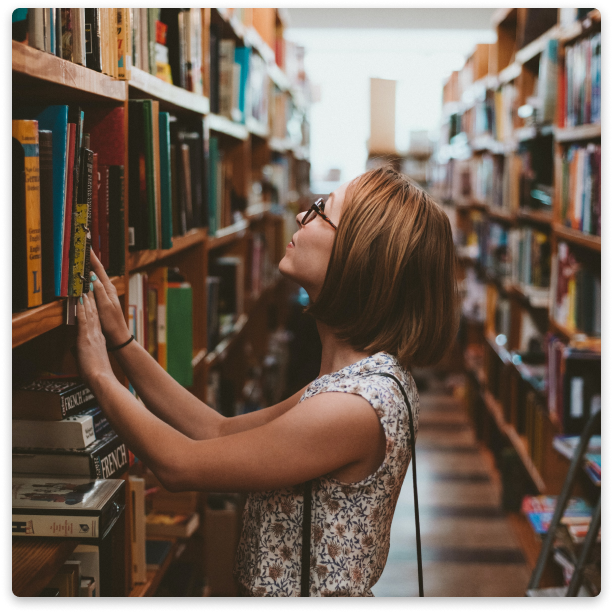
<point>350,532</point>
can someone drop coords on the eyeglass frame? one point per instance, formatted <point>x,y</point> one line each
<point>315,207</point>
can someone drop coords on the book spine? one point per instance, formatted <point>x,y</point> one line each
<point>123,44</point>
<point>45,138</point>
<point>76,400</point>
<point>116,247</point>
<point>165,180</point>
<point>78,36</point>
<point>76,195</point>
<point>80,232</point>
<point>95,225</point>
<point>66,25</point>
<point>103,211</point>
<point>82,526</point>
<point>36,29</point>
<point>110,460</point>
<point>150,174</point>
<point>88,160</point>
<point>70,139</point>
<point>26,132</point>
<point>92,39</point>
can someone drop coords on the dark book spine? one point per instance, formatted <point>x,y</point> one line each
<point>75,400</point>
<point>88,162</point>
<point>92,39</point>
<point>215,36</point>
<point>137,212</point>
<point>103,212</point>
<point>95,225</point>
<point>117,262</point>
<point>45,147</point>
<point>110,459</point>
<point>75,116</point>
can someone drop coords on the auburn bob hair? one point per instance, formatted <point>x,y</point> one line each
<point>391,280</point>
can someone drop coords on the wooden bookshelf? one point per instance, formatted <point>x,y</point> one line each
<point>36,561</point>
<point>511,403</point>
<point>29,324</point>
<point>32,67</point>
<point>46,79</point>
<point>171,98</point>
<point>588,241</point>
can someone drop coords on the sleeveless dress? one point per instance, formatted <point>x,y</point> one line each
<point>350,532</point>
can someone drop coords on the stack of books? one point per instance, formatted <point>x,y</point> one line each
<point>539,511</point>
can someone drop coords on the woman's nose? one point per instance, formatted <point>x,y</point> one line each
<point>299,218</point>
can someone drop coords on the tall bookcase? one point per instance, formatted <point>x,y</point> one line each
<point>39,335</point>
<point>502,175</point>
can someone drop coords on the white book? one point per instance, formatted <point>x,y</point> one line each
<point>89,555</point>
<point>78,36</point>
<point>75,432</point>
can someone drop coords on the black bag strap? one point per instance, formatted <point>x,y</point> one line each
<point>306,522</point>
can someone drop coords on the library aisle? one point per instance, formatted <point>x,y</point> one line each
<point>468,545</point>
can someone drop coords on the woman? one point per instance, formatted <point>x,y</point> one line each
<point>377,262</point>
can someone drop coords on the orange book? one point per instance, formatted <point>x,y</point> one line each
<point>26,132</point>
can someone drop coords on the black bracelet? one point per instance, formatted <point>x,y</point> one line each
<point>122,345</point>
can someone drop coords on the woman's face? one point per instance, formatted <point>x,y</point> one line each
<point>307,256</point>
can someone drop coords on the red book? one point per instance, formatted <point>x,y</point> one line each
<point>103,215</point>
<point>95,229</point>
<point>72,132</point>
<point>106,135</point>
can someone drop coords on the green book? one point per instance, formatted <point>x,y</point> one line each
<point>149,172</point>
<point>166,180</point>
<point>179,344</point>
<point>213,164</point>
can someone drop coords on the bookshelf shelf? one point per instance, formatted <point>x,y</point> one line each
<point>219,123</point>
<point>539,217</point>
<point>500,215</point>
<point>536,47</point>
<point>31,67</point>
<point>36,561</point>
<point>170,96</point>
<point>278,77</point>
<point>510,73</point>
<point>154,577</point>
<point>256,212</point>
<point>29,324</point>
<point>218,354</point>
<point>257,128</point>
<point>576,237</point>
<point>578,28</point>
<point>147,257</point>
<point>227,235</point>
<point>578,133</point>
<point>280,145</point>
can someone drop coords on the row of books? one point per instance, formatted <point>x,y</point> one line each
<point>580,85</point>
<point>160,306</point>
<point>67,198</point>
<point>573,384</point>
<point>58,429</point>
<point>94,37</point>
<point>530,257</point>
<point>539,512</point>
<point>576,293</point>
<point>567,444</point>
<point>581,188</point>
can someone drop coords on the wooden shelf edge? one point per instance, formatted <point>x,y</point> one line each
<point>586,132</point>
<point>158,89</point>
<point>535,216</point>
<point>37,64</point>
<point>589,241</point>
<point>223,125</point>
<point>147,257</point>
<point>29,324</point>
<point>537,46</point>
<point>226,235</point>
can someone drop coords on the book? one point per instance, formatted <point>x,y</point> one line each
<point>103,215</point>
<point>124,44</point>
<point>212,312</point>
<point>230,271</point>
<point>88,160</point>
<point>116,217</point>
<point>165,181</point>
<point>19,294</point>
<point>95,223</point>
<point>102,459</point>
<point>78,36</point>
<point>172,525</point>
<point>158,281</point>
<point>74,432</point>
<point>179,343</point>
<point>138,532</point>
<point>65,508</point>
<point>68,207</point>
<point>539,511</point>
<point>26,133</point>
<point>45,138</point>
<point>92,39</point>
<point>156,552</point>
<point>67,580</point>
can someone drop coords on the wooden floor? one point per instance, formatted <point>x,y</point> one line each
<point>468,545</point>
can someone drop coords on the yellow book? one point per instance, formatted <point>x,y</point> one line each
<point>26,132</point>
<point>123,43</point>
<point>572,291</point>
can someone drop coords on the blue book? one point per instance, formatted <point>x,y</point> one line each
<point>241,57</point>
<point>166,186</point>
<point>54,118</point>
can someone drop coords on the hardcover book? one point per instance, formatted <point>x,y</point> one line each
<point>66,508</point>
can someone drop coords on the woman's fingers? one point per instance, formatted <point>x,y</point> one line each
<point>81,314</point>
<point>98,269</point>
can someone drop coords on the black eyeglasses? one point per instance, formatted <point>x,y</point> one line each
<point>317,208</point>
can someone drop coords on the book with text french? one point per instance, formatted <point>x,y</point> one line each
<point>102,459</point>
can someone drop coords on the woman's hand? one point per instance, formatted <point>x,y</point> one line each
<point>109,308</point>
<point>92,357</point>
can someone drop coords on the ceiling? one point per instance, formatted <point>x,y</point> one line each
<point>398,18</point>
